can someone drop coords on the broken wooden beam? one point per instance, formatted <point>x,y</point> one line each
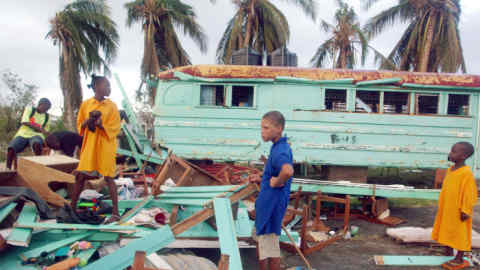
<point>66,226</point>
<point>226,232</point>
<point>123,257</point>
<point>414,260</point>
<point>5,211</point>
<point>21,236</point>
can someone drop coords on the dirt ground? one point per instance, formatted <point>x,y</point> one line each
<point>358,252</point>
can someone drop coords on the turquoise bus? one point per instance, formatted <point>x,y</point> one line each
<point>333,117</point>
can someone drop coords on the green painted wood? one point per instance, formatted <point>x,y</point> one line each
<point>226,232</point>
<point>65,226</point>
<point>427,194</point>
<point>123,257</point>
<point>103,237</point>
<point>199,189</point>
<point>35,252</point>
<point>5,211</point>
<point>377,82</point>
<point>189,195</point>
<point>138,207</point>
<point>439,87</point>
<point>416,260</point>
<point>197,202</point>
<point>21,236</point>
<point>85,255</point>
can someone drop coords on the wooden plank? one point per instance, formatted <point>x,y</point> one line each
<point>173,215</point>
<point>223,264</point>
<point>413,260</point>
<point>226,232</point>
<point>21,236</point>
<point>196,202</point>
<point>428,194</point>
<point>123,257</point>
<point>139,260</point>
<point>5,211</point>
<point>103,237</point>
<point>208,212</point>
<point>51,160</point>
<point>38,177</point>
<point>66,226</point>
<point>189,195</point>
<point>52,246</point>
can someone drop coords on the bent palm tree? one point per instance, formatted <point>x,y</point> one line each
<point>431,41</point>
<point>341,47</point>
<point>162,46</point>
<point>81,30</point>
<point>258,24</point>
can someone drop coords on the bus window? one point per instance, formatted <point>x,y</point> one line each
<point>458,104</point>
<point>212,95</point>
<point>367,101</point>
<point>426,103</point>
<point>395,102</point>
<point>336,100</point>
<point>242,96</point>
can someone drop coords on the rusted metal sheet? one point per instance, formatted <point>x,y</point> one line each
<point>267,72</point>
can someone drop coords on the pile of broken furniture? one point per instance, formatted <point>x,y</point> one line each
<point>34,237</point>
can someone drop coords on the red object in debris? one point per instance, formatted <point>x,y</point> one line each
<point>160,218</point>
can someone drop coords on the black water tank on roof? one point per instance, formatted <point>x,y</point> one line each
<point>282,57</point>
<point>246,56</point>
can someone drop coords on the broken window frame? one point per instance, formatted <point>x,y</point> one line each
<point>227,96</point>
<point>362,102</point>
<point>408,104</point>
<point>416,105</point>
<point>347,94</point>
<point>467,111</point>
<point>253,98</point>
<point>216,86</point>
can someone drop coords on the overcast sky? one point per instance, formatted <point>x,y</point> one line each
<point>25,51</point>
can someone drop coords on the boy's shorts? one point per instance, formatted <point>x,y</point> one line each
<point>268,245</point>
<point>18,144</point>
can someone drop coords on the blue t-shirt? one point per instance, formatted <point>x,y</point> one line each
<point>272,203</point>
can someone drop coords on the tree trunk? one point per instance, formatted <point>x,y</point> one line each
<point>251,14</point>
<point>71,90</point>
<point>342,60</point>
<point>425,57</point>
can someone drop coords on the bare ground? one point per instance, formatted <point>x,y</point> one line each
<point>358,252</point>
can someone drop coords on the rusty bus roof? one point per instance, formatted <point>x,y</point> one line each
<point>269,72</point>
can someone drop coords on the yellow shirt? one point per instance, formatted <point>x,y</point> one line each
<point>38,118</point>
<point>459,194</point>
<point>99,148</point>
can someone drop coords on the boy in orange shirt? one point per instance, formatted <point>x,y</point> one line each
<point>453,222</point>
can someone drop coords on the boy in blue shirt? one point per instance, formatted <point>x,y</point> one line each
<point>272,201</point>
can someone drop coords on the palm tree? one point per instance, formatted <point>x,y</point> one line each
<point>258,24</point>
<point>162,47</point>
<point>82,30</point>
<point>341,47</point>
<point>431,42</point>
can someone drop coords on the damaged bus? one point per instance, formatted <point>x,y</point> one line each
<point>333,117</point>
